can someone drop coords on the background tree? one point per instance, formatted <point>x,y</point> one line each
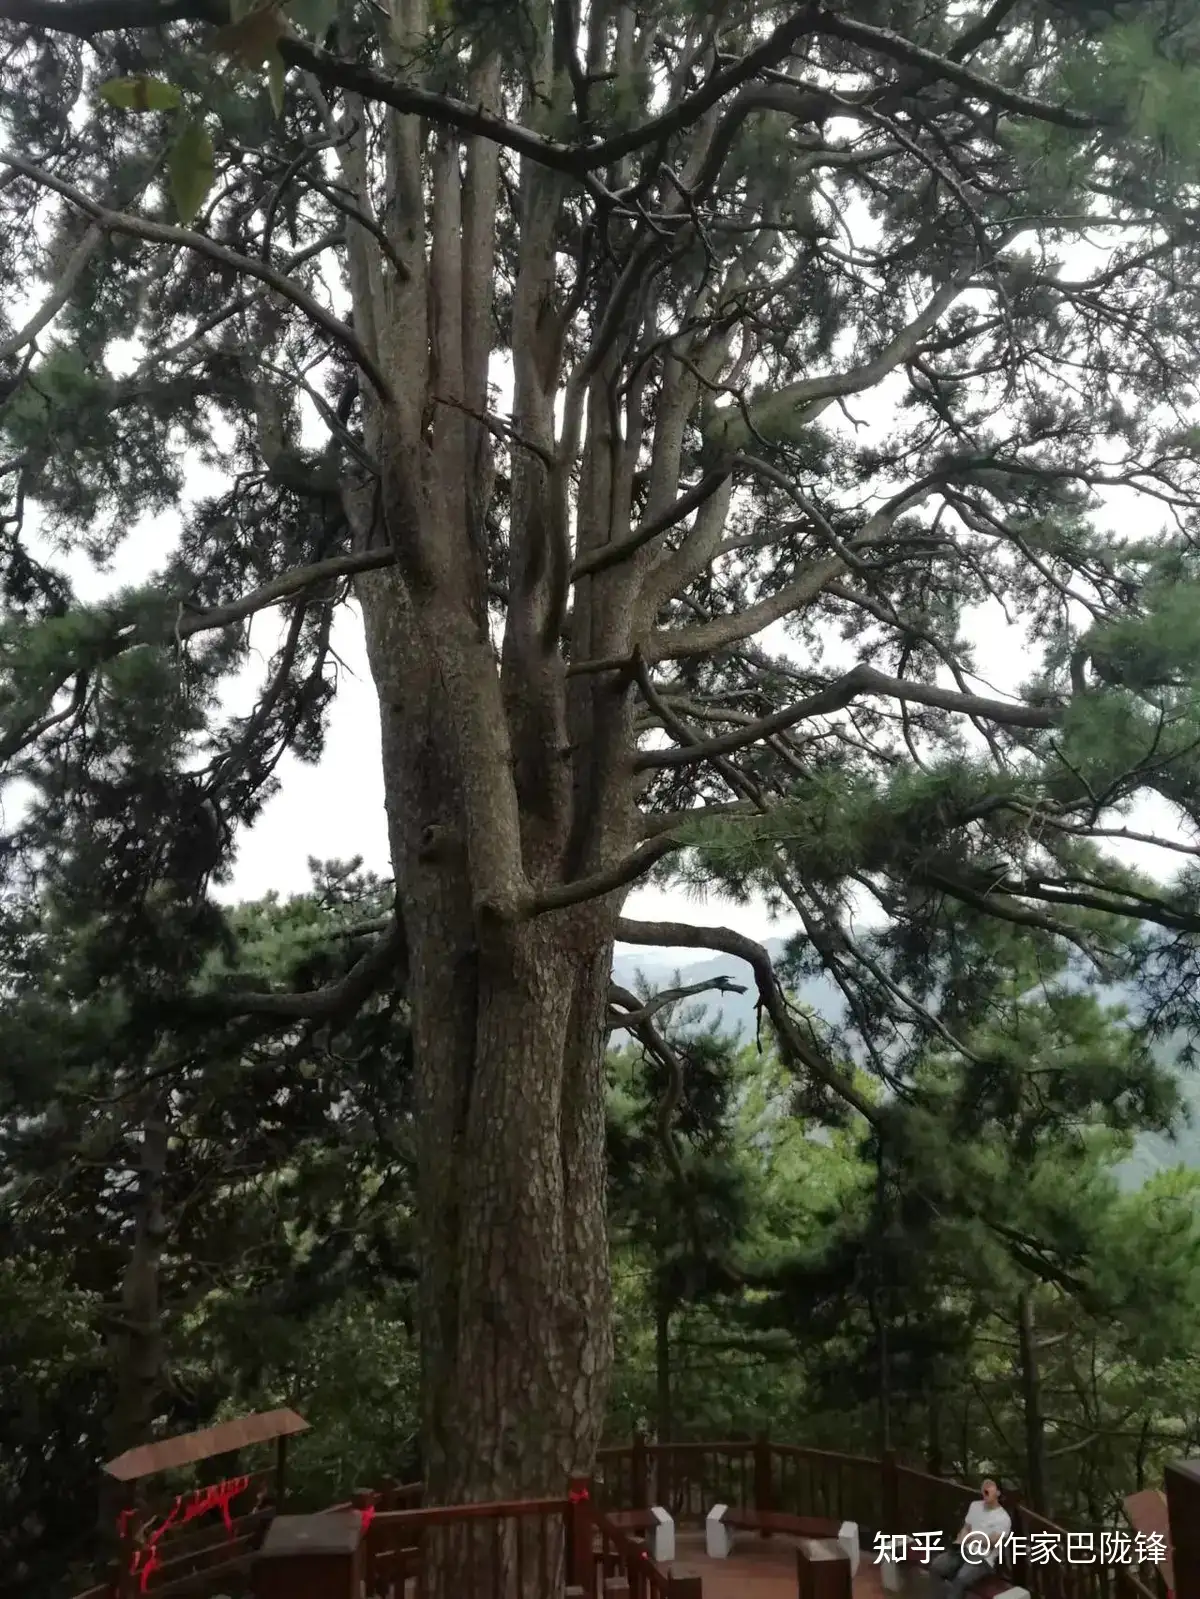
<point>540,336</point>
<point>188,1202</point>
<point>678,1196</point>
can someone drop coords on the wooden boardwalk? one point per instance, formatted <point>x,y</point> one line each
<point>758,1568</point>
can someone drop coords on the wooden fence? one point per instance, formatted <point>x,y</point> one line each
<point>880,1495</point>
<point>688,1479</point>
<point>573,1545</point>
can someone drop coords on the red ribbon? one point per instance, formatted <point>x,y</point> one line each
<point>577,1496</point>
<point>368,1516</point>
<point>216,1497</point>
<point>152,1564</point>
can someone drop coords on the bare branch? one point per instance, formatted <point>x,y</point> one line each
<point>796,1048</point>
<point>635,1012</point>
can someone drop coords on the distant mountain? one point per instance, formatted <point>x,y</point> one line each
<point>736,1014</point>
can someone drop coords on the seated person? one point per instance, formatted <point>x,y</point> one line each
<point>982,1533</point>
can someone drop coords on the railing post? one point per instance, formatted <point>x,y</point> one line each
<point>1183,1512</point>
<point>640,1488</point>
<point>890,1494</point>
<point>281,1454</point>
<point>581,1570</point>
<point>763,1495</point>
<point>363,1500</point>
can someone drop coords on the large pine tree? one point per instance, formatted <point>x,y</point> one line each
<point>545,330</point>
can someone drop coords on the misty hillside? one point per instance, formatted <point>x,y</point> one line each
<point>736,1013</point>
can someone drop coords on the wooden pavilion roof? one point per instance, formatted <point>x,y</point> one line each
<point>149,1459</point>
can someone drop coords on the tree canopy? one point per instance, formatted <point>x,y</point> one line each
<point>676,390</point>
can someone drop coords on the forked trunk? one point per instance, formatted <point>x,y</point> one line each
<point>509,1027</point>
<point>506,783</point>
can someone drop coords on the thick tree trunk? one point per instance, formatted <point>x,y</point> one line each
<point>1037,1486</point>
<point>509,1024</point>
<point>506,783</point>
<point>515,1296</point>
<point>509,1027</point>
<point>880,1307</point>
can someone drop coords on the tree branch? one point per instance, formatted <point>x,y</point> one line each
<point>562,895</point>
<point>884,42</point>
<point>441,110</point>
<point>692,107</point>
<point>104,16</point>
<point>129,635</point>
<point>606,555</point>
<point>635,1012</point>
<point>795,1047</point>
<point>282,588</point>
<point>185,238</point>
<point>671,644</point>
<point>836,697</point>
<point>800,403</point>
<point>333,1002</point>
<point>59,295</point>
<point>668,821</point>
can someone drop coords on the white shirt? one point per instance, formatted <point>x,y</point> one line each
<point>994,1521</point>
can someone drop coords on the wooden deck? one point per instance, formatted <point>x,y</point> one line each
<point>758,1568</point>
